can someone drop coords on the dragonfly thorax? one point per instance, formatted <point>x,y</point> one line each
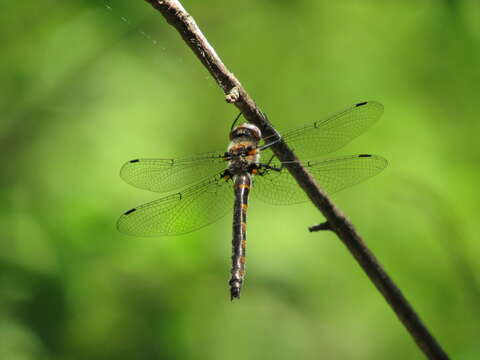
<point>242,151</point>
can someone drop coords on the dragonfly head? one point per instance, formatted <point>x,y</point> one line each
<point>247,132</point>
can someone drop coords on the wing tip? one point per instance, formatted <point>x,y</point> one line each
<point>382,162</point>
<point>121,219</point>
<point>124,224</point>
<point>126,168</point>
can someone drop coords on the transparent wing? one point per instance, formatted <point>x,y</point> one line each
<point>334,174</point>
<point>180,213</point>
<point>165,175</point>
<point>328,135</point>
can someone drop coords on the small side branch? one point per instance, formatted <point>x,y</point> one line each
<point>175,14</point>
<point>320,227</point>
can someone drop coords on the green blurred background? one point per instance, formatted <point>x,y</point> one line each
<point>88,85</point>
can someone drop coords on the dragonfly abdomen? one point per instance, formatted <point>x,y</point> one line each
<point>242,184</point>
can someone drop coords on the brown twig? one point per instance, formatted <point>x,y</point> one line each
<point>235,93</point>
<point>320,227</point>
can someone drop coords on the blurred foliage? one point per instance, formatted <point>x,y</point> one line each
<point>87,85</point>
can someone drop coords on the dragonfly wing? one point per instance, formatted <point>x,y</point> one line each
<point>334,174</point>
<point>180,213</point>
<point>165,175</point>
<point>328,135</point>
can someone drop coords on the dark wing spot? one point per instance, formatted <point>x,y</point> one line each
<point>361,104</point>
<point>134,161</point>
<point>130,211</point>
<point>364,155</point>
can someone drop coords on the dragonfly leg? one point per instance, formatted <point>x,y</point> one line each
<point>226,156</point>
<point>271,159</point>
<point>235,121</point>
<point>266,146</point>
<point>263,168</point>
<point>226,175</point>
<point>278,137</point>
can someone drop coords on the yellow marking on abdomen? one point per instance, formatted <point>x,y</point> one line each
<point>244,244</point>
<point>244,207</point>
<point>244,226</point>
<point>242,260</point>
<point>243,186</point>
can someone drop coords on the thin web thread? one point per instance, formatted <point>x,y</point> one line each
<point>109,6</point>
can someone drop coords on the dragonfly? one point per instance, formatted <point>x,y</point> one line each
<point>199,190</point>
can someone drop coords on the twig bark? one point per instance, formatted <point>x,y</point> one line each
<point>235,93</point>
